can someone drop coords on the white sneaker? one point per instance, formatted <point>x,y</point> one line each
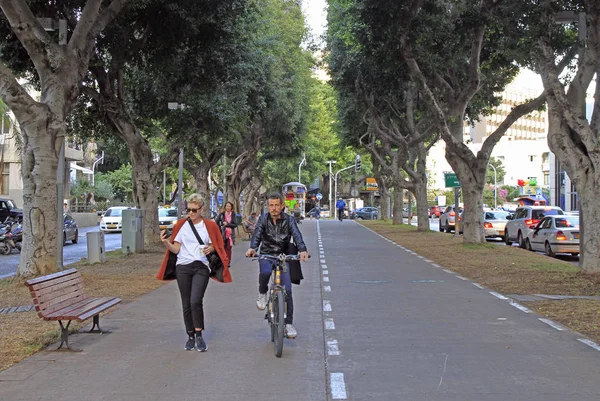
<point>290,331</point>
<point>261,301</point>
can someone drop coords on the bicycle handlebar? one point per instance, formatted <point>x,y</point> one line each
<point>277,257</point>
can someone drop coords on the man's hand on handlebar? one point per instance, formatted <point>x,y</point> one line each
<point>250,253</point>
<point>303,256</point>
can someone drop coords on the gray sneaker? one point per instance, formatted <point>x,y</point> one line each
<point>261,301</point>
<point>290,331</point>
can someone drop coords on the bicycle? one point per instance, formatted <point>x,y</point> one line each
<point>276,304</point>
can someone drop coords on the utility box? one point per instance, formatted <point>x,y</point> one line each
<point>95,247</point>
<point>132,238</point>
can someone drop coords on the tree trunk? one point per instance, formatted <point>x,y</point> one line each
<point>472,180</point>
<point>144,171</point>
<point>420,193</point>
<point>201,178</point>
<point>398,205</point>
<point>40,163</point>
<point>384,201</point>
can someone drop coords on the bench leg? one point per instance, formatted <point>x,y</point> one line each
<point>64,338</point>
<point>97,324</point>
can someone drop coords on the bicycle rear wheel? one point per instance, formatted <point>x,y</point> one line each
<point>278,324</point>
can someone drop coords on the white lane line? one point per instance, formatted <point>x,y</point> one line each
<point>553,324</point>
<point>326,279</point>
<point>338,386</point>
<point>448,271</point>
<point>462,278</point>
<point>520,307</point>
<point>326,306</point>
<point>332,347</point>
<point>327,288</point>
<point>436,265</point>
<point>324,266</point>
<point>329,325</point>
<point>325,272</point>
<point>478,285</point>
<point>499,296</point>
<point>590,343</point>
<point>420,257</point>
<point>323,261</point>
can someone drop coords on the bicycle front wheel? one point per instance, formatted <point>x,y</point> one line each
<point>278,322</point>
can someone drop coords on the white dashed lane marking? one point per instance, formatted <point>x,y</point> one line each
<point>338,386</point>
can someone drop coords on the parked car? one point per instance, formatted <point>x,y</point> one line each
<point>525,219</point>
<point>494,223</point>
<point>112,220</point>
<point>435,211</point>
<point>9,210</point>
<point>70,229</point>
<point>366,213</point>
<point>448,219</point>
<point>167,216</point>
<point>555,234</point>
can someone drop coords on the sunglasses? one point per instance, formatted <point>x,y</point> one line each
<point>189,210</point>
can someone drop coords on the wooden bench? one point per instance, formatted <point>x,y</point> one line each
<point>61,296</point>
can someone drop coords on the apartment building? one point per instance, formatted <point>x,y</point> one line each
<point>11,184</point>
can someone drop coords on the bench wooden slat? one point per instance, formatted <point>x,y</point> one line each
<point>75,295</point>
<point>47,296</point>
<point>76,313</point>
<point>99,309</point>
<point>49,283</point>
<point>66,307</point>
<point>50,277</point>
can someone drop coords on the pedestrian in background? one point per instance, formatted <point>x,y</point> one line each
<point>226,222</point>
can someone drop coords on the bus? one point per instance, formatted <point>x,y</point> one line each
<point>295,198</point>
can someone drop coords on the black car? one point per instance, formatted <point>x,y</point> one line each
<point>8,209</point>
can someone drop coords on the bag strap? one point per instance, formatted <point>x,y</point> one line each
<point>195,232</point>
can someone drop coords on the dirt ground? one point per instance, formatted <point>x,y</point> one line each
<point>509,270</point>
<point>126,277</point>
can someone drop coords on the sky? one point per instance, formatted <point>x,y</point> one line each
<point>316,15</point>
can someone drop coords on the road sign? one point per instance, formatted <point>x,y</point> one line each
<point>319,196</point>
<point>451,180</point>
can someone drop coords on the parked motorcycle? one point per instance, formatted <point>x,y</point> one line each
<point>6,243</point>
<point>17,235</point>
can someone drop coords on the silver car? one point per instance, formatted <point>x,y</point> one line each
<point>448,219</point>
<point>555,234</point>
<point>494,223</point>
<point>524,219</point>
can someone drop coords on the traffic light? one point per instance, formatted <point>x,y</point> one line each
<point>357,163</point>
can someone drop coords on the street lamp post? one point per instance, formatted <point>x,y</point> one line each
<point>495,187</point>
<point>336,175</point>
<point>303,161</point>
<point>330,203</point>
<point>180,106</point>
<point>98,160</point>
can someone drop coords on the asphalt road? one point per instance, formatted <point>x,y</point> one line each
<point>71,252</point>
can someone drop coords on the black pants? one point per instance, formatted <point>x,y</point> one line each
<point>192,280</point>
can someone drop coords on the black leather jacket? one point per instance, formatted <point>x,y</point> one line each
<point>274,238</point>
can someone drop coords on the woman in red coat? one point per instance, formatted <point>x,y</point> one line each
<point>186,260</point>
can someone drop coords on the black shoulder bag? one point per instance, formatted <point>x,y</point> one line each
<point>214,260</point>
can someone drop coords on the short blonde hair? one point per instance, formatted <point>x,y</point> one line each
<point>196,198</point>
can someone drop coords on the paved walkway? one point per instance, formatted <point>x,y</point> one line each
<point>376,322</point>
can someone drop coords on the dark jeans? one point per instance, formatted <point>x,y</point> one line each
<point>340,214</point>
<point>192,280</point>
<point>266,267</point>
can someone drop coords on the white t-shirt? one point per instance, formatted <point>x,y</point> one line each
<point>191,250</point>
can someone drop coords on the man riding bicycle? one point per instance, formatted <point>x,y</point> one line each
<point>340,205</point>
<point>272,234</point>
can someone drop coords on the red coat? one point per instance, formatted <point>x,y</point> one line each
<point>215,238</point>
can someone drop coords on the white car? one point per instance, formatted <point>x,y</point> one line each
<point>555,234</point>
<point>494,223</point>
<point>521,223</point>
<point>167,216</point>
<point>112,219</point>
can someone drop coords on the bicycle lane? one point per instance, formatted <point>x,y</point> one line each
<point>403,328</point>
<point>143,358</point>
